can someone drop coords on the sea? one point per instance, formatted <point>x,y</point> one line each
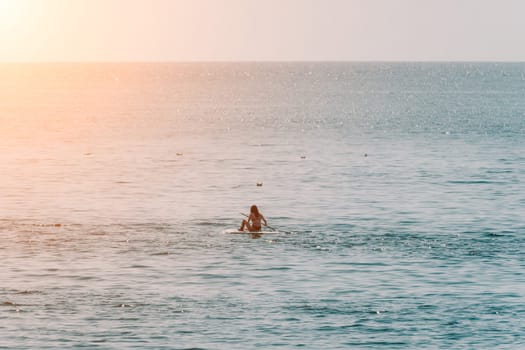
<point>395,194</point>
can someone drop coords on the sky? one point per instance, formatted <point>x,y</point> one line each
<point>261,30</point>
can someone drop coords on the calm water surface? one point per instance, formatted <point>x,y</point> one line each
<point>396,190</point>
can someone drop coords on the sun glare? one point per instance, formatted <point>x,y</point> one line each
<point>16,26</point>
<point>9,12</point>
<point>11,18</point>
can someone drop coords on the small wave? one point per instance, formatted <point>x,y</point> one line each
<point>494,234</point>
<point>139,266</point>
<point>28,292</point>
<point>473,182</point>
<point>500,171</point>
<point>48,225</point>
<point>327,310</point>
<point>98,233</point>
<point>160,253</point>
<point>206,223</point>
<point>264,145</point>
<point>338,328</point>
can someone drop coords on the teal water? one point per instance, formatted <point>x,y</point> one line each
<point>397,191</point>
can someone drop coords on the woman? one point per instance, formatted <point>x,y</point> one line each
<point>253,224</point>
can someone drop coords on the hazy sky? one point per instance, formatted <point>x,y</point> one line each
<point>239,30</point>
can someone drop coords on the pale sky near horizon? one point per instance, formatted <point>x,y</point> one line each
<point>262,30</point>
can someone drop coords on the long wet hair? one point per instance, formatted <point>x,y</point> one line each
<point>254,211</point>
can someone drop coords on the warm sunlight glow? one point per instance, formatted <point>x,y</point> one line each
<point>259,30</point>
<point>10,13</point>
<point>20,29</point>
<point>14,15</point>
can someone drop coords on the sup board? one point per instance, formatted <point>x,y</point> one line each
<point>236,231</point>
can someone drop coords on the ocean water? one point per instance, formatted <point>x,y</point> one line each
<point>396,190</point>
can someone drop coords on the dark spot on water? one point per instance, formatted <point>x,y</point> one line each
<point>160,253</point>
<point>138,266</point>
<point>427,307</point>
<point>376,344</point>
<point>493,234</point>
<point>48,225</point>
<point>207,223</point>
<point>471,182</point>
<point>292,319</point>
<point>98,233</point>
<point>183,331</point>
<point>23,292</point>
<point>336,328</point>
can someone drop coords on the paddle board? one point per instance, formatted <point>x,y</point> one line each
<point>236,231</point>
